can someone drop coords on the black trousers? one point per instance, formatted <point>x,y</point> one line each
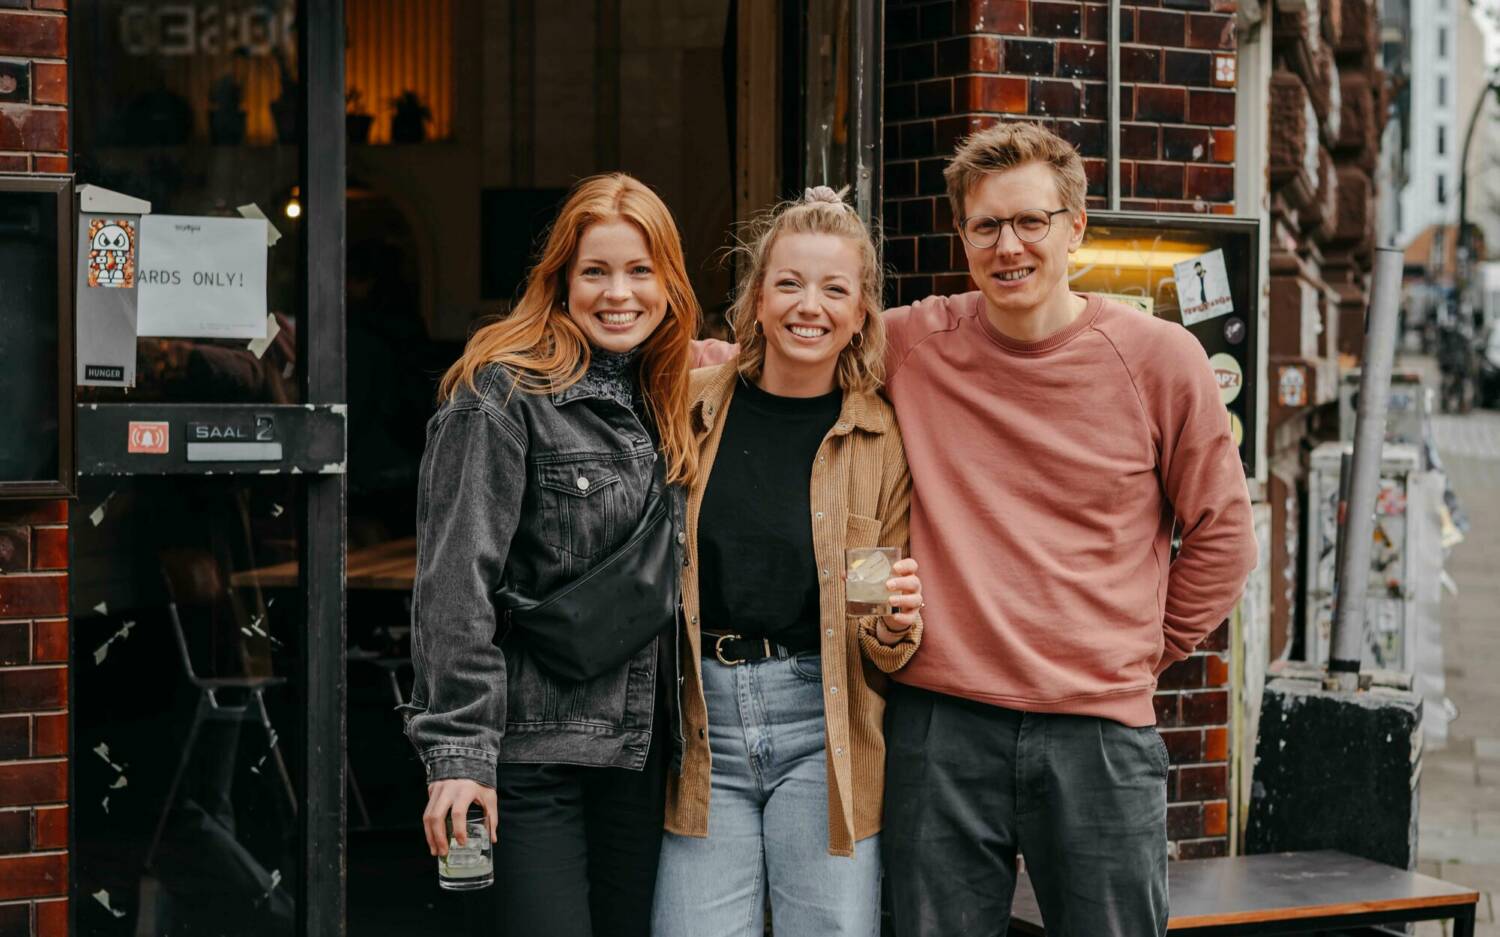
<point>968,786</point>
<point>578,848</point>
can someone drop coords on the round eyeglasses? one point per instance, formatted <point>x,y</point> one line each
<point>983,231</point>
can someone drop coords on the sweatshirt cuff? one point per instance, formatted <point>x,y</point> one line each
<point>447,763</point>
<point>889,659</point>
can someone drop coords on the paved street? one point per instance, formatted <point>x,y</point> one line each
<point>1460,822</point>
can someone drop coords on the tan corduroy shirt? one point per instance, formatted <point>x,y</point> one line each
<point>860,496</point>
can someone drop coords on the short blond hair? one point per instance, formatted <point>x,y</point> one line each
<point>1006,146</point>
<point>861,365</point>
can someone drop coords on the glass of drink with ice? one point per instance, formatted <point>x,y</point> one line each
<point>471,865</point>
<point>866,570</point>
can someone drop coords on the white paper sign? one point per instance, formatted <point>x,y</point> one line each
<point>202,277</point>
<point>1203,288</point>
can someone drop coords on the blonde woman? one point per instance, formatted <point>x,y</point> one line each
<point>799,458</point>
<point>538,464</point>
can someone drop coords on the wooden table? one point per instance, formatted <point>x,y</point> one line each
<point>389,565</point>
<point>1289,893</point>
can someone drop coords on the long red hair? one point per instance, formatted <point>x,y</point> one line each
<point>548,352</point>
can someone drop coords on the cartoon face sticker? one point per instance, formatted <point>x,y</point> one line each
<point>111,253</point>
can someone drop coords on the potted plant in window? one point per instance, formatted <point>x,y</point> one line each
<point>226,119</point>
<point>357,121</point>
<point>410,123</point>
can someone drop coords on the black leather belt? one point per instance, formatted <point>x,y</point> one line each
<point>733,649</point>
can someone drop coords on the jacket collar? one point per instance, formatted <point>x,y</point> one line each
<point>858,411</point>
<point>574,391</point>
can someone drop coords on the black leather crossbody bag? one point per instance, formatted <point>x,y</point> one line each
<point>595,623</point>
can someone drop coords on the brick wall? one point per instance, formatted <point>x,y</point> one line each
<point>33,86</point>
<point>34,736</point>
<point>955,66</point>
<point>33,718</point>
<point>1328,107</point>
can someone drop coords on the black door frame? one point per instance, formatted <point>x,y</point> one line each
<point>320,48</point>
<point>316,447</point>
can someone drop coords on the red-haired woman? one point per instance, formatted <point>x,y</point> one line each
<point>538,465</point>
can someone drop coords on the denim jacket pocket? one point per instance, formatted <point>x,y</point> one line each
<point>539,699</point>
<point>578,504</point>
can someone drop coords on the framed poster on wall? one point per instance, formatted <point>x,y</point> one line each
<point>36,344</point>
<point>1201,271</point>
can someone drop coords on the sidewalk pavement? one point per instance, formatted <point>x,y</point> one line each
<point>1459,828</point>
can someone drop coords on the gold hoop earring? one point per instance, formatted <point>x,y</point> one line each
<point>758,329</point>
<point>858,341</point>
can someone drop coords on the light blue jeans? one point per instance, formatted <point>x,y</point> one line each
<point>767,819</point>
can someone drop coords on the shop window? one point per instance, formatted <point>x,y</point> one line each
<point>36,353</point>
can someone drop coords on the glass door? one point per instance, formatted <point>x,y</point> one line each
<point>207,583</point>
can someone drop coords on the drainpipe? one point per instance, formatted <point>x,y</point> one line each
<point>1114,105</point>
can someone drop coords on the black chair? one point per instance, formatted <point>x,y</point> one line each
<point>197,590</point>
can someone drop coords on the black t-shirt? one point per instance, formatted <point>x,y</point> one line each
<point>757,573</point>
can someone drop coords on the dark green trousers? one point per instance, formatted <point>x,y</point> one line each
<point>969,786</point>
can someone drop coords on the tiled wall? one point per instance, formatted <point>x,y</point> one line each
<point>34,734</point>
<point>955,66</point>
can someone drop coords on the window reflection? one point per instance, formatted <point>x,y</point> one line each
<point>195,109</point>
<point>185,707</point>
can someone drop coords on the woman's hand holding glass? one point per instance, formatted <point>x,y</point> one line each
<point>906,600</point>
<point>448,808</point>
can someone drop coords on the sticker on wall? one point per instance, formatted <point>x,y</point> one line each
<point>111,258</point>
<point>1144,303</point>
<point>149,438</point>
<point>105,288</point>
<point>1203,288</point>
<point>1228,374</point>
<point>1234,331</point>
<point>1291,386</point>
<point>1236,429</point>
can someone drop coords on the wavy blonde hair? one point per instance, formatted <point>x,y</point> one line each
<point>861,365</point>
<point>547,351</point>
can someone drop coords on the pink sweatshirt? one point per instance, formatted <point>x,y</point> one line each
<point>1047,477</point>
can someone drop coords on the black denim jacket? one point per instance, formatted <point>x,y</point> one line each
<point>528,490</point>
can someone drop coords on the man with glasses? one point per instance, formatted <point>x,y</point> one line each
<point>1054,439</point>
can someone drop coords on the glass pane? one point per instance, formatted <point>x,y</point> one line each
<point>187,718</point>
<point>28,351</point>
<point>828,100</point>
<point>550,93</point>
<point>194,107</point>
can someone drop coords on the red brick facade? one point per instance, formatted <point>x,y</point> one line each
<point>955,66</point>
<point>34,736</point>
<point>1328,106</point>
<point>33,718</point>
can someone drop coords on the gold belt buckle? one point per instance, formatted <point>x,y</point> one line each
<point>719,650</point>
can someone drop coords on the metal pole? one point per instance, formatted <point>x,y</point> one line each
<point>1114,105</point>
<point>1353,569</point>
<point>1463,180</point>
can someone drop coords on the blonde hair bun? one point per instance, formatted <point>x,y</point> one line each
<point>823,194</point>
